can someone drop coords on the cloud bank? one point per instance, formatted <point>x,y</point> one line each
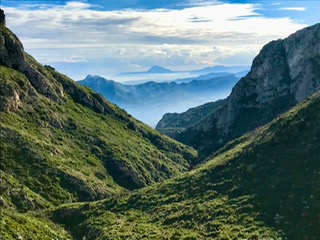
<point>82,38</point>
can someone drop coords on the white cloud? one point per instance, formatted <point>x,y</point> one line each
<point>275,4</point>
<point>196,36</point>
<point>301,9</point>
<point>71,59</point>
<point>74,6</point>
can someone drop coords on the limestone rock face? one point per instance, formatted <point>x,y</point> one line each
<point>284,73</point>
<point>12,55</point>
<point>2,17</point>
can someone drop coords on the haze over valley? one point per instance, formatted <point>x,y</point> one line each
<point>150,100</point>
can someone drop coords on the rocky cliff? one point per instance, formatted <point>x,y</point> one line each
<point>283,74</point>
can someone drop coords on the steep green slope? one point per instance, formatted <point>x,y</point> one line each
<point>262,186</point>
<point>18,205</point>
<point>61,143</point>
<point>86,154</point>
<point>15,225</point>
<point>67,143</point>
<point>172,124</point>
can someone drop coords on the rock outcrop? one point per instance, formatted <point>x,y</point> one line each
<point>12,55</point>
<point>2,17</point>
<point>284,73</point>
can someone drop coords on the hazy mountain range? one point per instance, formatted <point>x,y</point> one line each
<point>75,166</point>
<point>156,69</point>
<point>160,74</point>
<point>149,101</point>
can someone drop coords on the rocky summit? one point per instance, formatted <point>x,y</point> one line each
<point>284,73</point>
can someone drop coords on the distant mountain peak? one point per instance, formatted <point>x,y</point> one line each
<point>155,69</point>
<point>158,69</point>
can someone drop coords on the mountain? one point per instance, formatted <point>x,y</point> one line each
<point>155,69</point>
<point>264,185</point>
<point>221,69</point>
<point>149,101</point>
<point>202,77</point>
<point>62,143</point>
<point>284,73</point>
<point>64,146</point>
<point>172,124</point>
<point>158,69</point>
<point>212,75</point>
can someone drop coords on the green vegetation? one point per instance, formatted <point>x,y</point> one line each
<point>262,186</point>
<point>66,152</point>
<point>62,143</point>
<point>15,225</point>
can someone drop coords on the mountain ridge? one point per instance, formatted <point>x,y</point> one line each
<point>156,69</point>
<point>149,101</point>
<point>284,73</point>
<point>62,143</point>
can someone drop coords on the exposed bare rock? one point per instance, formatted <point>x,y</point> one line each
<point>12,55</point>
<point>2,17</point>
<point>284,73</point>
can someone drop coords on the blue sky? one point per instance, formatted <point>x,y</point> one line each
<point>112,36</point>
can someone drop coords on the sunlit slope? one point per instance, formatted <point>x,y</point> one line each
<point>67,143</point>
<point>262,186</point>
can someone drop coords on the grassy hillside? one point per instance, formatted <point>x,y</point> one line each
<point>86,154</point>
<point>262,186</point>
<point>18,213</point>
<point>61,143</point>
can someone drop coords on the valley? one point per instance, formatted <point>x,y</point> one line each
<point>149,101</point>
